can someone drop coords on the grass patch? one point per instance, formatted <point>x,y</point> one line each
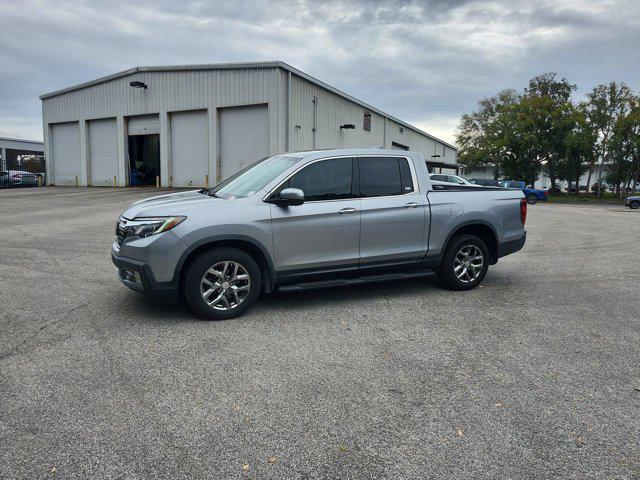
<point>607,198</point>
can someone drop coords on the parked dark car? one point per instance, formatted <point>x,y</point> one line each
<point>485,182</point>
<point>633,202</point>
<point>18,178</point>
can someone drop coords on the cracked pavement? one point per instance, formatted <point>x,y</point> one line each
<point>534,375</point>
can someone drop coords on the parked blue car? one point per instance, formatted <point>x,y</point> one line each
<point>533,195</point>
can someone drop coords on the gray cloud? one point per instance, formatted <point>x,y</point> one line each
<point>426,62</point>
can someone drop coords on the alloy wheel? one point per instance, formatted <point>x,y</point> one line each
<point>468,263</point>
<point>225,285</point>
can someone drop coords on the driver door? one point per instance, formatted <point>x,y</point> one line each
<point>323,233</point>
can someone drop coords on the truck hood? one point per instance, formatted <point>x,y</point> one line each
<point>169,204</point>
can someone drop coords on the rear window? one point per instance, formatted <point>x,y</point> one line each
<point>384,176</point>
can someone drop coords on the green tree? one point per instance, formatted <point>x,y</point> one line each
<point>624,151</point>
<point>605,104</point>
<point>519,134</point>
<point>555,114</point>
<point>579,149</point>
<point>480,135</point>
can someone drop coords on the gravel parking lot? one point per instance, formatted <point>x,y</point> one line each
<point>534,375</point>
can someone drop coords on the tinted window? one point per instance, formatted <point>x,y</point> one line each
<point>439,178</point>
<point>380,176</point>
<point>324,180</point>
<point>405,174</point>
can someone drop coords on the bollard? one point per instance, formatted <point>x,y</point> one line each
<point>77,182</point>
<point>206,181</point>
<point>115,182</point>
<point>39,181</point>
<point>157,181</point>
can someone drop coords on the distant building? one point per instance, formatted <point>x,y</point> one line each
<point>198,124</point>
<point>15,152</point>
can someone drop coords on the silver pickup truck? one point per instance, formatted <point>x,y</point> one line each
<point>308,220</point>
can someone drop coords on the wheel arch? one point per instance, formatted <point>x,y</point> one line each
<point>480,229</point>
<point>246,244</point>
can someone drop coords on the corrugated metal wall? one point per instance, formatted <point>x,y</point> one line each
<point>334,110</point>
<point>169,92</point>
<point>190,90</point>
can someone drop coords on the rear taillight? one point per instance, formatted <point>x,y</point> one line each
<point>17,176</point>
<point>546,192</point>
<point>523,210</point>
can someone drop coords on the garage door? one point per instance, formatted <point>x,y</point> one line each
<point>66,153</point>
<point>103,151</point>
<point>244,137</point>
<point>189,148</point>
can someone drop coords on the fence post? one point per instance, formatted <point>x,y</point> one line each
<point>157,181</point>
<point>77,183</point>
<point>206,181</point>
<point>115,181</point>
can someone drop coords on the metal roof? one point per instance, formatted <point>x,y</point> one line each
<point>21,144</point>
<point>240,66</point>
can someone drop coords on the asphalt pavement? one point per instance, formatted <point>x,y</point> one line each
<point>536,374</point>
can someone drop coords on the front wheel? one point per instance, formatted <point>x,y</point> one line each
<point>465,263</point>
<point>635,204</point>
<point>221,284</point>
<point>532,199</point>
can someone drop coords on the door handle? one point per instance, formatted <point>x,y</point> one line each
<point>347,211</point>
<point>412,205</point>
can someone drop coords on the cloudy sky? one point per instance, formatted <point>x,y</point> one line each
<point>426,62</point>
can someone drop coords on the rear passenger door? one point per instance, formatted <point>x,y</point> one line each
<point>393,212</point>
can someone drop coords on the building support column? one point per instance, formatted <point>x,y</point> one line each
<point>384,134</point>
<point>123,154</point>
<point>165,151</point>
<point>287,131</point>
<point>84,153</point>
<point>214,174</point>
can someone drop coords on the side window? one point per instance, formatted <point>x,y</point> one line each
<point>405,174</point>
<point>380,176</point>
<point>324,180</point>
<point>439,178</point>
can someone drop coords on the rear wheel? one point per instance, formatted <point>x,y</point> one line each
<point>635,204</point>
<point>532,199</point>
<point>465,263</point>
<point>221,284</point>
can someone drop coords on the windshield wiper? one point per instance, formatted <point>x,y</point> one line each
<point>208,191</point>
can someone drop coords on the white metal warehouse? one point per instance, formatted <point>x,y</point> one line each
<point>195,125</point>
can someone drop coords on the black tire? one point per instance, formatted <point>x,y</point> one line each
<point>201,264</point>
<point>446,272</point>
<point>532,199</point>
<point>634,204</point>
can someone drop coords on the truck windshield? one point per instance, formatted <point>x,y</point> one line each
<point>253,178</point>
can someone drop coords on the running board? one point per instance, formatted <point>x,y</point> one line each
<point>348,282</point>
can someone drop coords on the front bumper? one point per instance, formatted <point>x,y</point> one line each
<point>147,283</point>
<point>507,248</point>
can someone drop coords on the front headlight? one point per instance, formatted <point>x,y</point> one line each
<point>147,226</point>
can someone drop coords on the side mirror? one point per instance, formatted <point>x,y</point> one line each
<point>289,197</point>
